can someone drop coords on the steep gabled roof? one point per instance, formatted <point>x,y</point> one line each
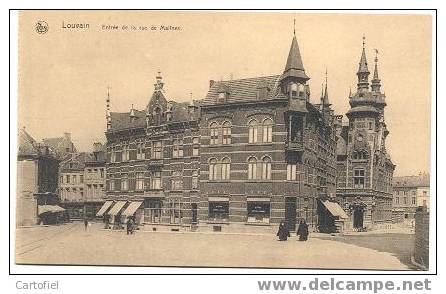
<point>27,144</point>
<point>122,120</point>
<point>244,90</point>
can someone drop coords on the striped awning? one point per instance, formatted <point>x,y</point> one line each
<point>132,208</point>
<point>335,209</point>
<point>117,208</point>
<point>104,208</point>
<point>49,208</point>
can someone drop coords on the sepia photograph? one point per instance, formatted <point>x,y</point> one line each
<point>224,139</point>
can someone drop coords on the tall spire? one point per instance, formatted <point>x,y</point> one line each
<point>376,82</point>
<point>294,66</point>
<point>326,102</point>
<point>107,112</point>
<point>363,70</point>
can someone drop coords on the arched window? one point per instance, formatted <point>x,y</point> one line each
<point>212,169</point>
<point>252,168</point>
<point>214,133</point>
<point>226,131</point>
<point>253,125</point>
<point>225,168</point>
<point>266,168</point>
<point>267,130</point>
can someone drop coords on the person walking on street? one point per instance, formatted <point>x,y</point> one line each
<point>86,223</point>
<point>129,226</point>
<point>302,230</point>
<point>283,232</point>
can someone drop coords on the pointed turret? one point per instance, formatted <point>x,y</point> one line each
<point>363,70</point>
<point>294,67</point>
<point>376,82</point>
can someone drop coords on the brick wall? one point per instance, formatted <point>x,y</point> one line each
<point>421,252</point>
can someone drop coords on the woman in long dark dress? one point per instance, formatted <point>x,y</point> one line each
<point>302,231</point>
<point>283,232</point>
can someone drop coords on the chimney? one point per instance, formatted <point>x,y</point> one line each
<point>211,83</point>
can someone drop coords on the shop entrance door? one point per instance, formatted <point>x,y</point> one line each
<point>290,213</point>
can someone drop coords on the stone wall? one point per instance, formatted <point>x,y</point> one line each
<point>421,252</point>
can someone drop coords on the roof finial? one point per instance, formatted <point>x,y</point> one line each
<point>294,27</point>
<point>363,40</point>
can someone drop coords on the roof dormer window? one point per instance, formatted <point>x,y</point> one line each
<point>222,97</point>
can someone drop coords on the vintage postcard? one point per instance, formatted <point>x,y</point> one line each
<point>279,139</point>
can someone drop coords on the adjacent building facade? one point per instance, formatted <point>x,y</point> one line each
<point>37,172</point>
<point>365,169</point>
<point>71,184</point>
<point>409,193</point>
<point>94,181</point>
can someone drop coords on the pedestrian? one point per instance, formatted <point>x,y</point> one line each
<point>86,223</point>
<point>129,226</point>
<point>283,232</point>
<point>302,230</point>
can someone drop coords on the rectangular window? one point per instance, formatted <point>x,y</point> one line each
<point>156,180</point>
<point>195,180</point>
<point>196,146</point>
<point>219,210</point>
<point>177,148</point>
<point>258,212</point>
<point>177,181</point>
<point>175,212</point>
<point>359,178</point>
<point>140,181</point>
<point>405,200</point>
<point>140,154</point>
<point>125,153</point>
<point>291,172</point>
<point>414,200</point>
<point>157,150</point>
<point>152,214</point>
<point>102,173</point>
<point>111,184</point>
<point>124,182</point>
<point>74,179</point>
<point>81,179</point>
<point>397,200</point>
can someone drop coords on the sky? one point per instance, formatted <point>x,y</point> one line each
<point>64,74</point>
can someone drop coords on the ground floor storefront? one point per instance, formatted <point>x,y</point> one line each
<point>230,213</point>
<point>82,210</point>
<point>366,211</point>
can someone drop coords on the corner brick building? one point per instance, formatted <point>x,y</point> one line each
<point>252,153</point>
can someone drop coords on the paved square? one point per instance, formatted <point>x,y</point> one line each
<point>70,244</point>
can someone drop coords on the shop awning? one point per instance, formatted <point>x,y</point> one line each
<point>218,199</point>
<point>335,209</point>
<point>49,208</point>
<point>117,208</point>
<point>104,208</point>
<point>258,199</point>
<point>133,206</point>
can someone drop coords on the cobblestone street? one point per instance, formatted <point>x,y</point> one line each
<point>70,244</point>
